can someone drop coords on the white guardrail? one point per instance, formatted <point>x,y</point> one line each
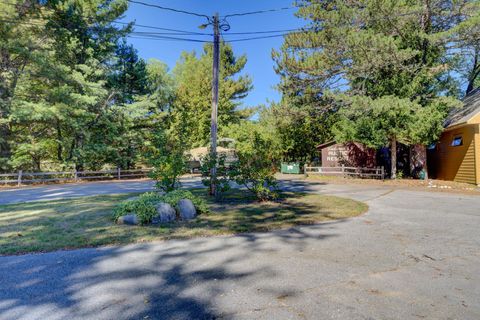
<point>21,177</point>
<point>378,172</point>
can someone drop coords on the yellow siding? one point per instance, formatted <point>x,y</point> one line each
<point>477,152</point>
<point>457,163</point>
<point>467,172</point>
<point>475,119</point>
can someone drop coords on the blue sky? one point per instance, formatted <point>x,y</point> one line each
<point>259,65</point>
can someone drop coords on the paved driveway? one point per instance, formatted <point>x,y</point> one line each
<point>71,190</point>
<point>414,255</point>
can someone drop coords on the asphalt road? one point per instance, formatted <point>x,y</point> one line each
<point>71,190</point>
<point>414,255</point>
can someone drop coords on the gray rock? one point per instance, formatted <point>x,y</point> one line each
<point>186,209</point>
<point>130,219</point>
<point>166,213</point>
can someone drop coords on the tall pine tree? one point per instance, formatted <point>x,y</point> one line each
<point>391,53</point>
<point>192,106</point>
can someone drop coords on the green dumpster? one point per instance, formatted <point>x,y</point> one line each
<point>291,168</point>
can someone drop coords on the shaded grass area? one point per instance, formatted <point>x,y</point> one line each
<point>87,221</point>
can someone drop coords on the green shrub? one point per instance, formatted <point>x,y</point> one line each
<point>254,170</point>
<point>167,171</point>
<point>173,197</point>
<point>222,180</point>
<point>167,158</point>
<point>260,181</point>
<point>265,192</point>
<point>145,206</point>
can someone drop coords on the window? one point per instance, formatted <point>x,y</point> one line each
<point>457,141</point>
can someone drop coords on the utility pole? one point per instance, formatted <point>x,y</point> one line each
<point>216,70</point>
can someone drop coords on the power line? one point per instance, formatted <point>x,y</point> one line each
<point>227,34</point>
<point>264,32</point>
<point>158,28</point>
<point>206,41</point>
<point>153,36</point>
<point>258,12</point>
<point>169,9</point>
<point>177,31</point>
<point>159,37</point>
<point>168,33</point>
<point>128,23</point>
<point>169,38</point>
<point>258,38</point>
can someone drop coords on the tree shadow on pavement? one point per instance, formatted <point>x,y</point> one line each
<point>178,279</point>
<point>300,185</point>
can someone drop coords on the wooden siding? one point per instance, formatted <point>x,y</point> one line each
<point>467,171</point>
<point>475,119</point>
<point>456,163</point>
<point>477,152</point>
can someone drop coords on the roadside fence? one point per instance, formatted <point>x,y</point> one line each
<point>372,173</point>
<point>21,178</point>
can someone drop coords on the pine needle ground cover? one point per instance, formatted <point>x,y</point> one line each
<point>87,221</point>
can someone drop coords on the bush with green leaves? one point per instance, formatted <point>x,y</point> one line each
<point>222,179</point>
<point>167,171</point>
<point>168,161</point>
<point>256,178</point>
<point>254,170</point>
<point>145,205</point>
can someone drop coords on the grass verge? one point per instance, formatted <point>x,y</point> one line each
<point>86,222</point>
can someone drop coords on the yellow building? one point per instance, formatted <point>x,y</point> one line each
<point>457,154</point>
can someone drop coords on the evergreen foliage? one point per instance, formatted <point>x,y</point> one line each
<point>191,115</point>
<point>75,95</point>
<point>386,65</point>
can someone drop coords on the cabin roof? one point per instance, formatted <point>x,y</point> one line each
<point>470,109</point>
<point>326,144</point>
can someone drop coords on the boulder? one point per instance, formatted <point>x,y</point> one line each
<point>165,213</point>
<point>129,219</point>
<point>186,209</point>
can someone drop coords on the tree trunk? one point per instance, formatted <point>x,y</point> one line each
<point>425,167</point>
<point>411,161</point>
<point>475,71</point>
<point>5,148</point>
<point>426,24</point>
<point>7,92</point>
<point>59,142</point>
<point>393,158</point>
<point>5,131</point>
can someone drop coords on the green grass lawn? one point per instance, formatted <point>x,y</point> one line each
<point>87,222</point>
